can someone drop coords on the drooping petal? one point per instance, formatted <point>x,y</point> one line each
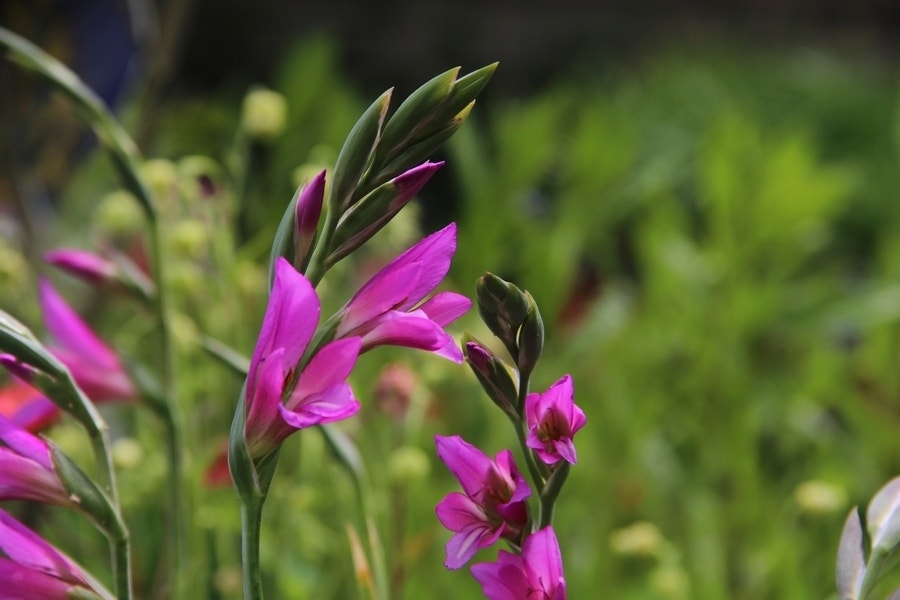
<point>446,307</point>
<point>70,332</point>
<point>25,583</point>
<point>290,320</point>
<point>26,548</point>
<point>332,404</point>
<point>468,464</point>
<point>410,330</point>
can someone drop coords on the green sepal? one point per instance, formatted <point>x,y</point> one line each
<point>363,220</point>
<point>283,244</point>
<point>82,490</point>
<point>417,152</point>
<point>503,308</point>
<point>356,154</point>
<point>531,338</point>
<point>244,477</point>
<point>416,113</point>
<point>465,90</point>
<point>17,339</point>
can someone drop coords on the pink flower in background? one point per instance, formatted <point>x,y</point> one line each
<point>321,394</point>
<point>553,418</point>
<point>493,505</point>
<point>26,469</point>
<point>96,368</point>
<point>84,265</point>
<point>536,574</point>
<point>391,307</point>
<point>32,569</point>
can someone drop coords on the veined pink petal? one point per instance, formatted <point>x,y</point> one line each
<point>446,307</point>
<point>332,404</point>
<point>468,464</point>
<point>384,292</point>
<point>331,365</point>
<point>290,320</point>
<point>70,331</point>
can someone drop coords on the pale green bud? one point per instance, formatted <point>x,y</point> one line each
<point>119,213</point>
<point>264,114</point>
<point>407,464</point>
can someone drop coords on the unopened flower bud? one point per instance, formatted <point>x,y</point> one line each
<point>820,497</point>
<point>531,338</point>
<point>306,219</point>
<point>503,308</point>
<point>264,114</point>
<point>639,539</point>
<point>189,238</point>
<point>493,375</point>
<point>407,464</point>
<point>119,213</point>
<point>84,265</point>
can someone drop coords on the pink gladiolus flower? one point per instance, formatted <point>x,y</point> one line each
<point>321,394</point>
<point>96,368</point>
<point>535,575</point>
<point>389,308</point>
<point>26,469</point>
<point>32,569</point>
<point>553,418</point>
<point>493,505</point>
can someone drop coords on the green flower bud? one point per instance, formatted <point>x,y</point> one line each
<point>407,464</point>
<point>503,308</point>
<point>119,213</point>
<point>531,338</point>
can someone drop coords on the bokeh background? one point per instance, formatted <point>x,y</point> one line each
<point>703,198</point>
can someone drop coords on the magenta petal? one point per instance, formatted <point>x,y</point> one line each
<point>31,584</point>
<point>566,449</point>
<point>24,443</point>
<point>331,365</point>
<point>457,512</point>
<point>291,317</point>
<point>411,330</point>
<point>463,545</point>
<point>468,464</point>
<point>544,560</point>
<point>503,580</point>
<point>26,548</point>
<point>446,307</point>
<point>333,404</point>
<point>435,253</point>
<point>70,331</point>
<point>309,206</point>
<point>385,291</point>
<point>263,405</point>
<point>450,351</point>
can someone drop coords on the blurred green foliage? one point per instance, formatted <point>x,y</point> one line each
<point>712,242</point>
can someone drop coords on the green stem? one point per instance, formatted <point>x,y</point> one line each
<point>317,267</point>
<point>121,558</point>
<point>550,493</point>
<point>251,520</point>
